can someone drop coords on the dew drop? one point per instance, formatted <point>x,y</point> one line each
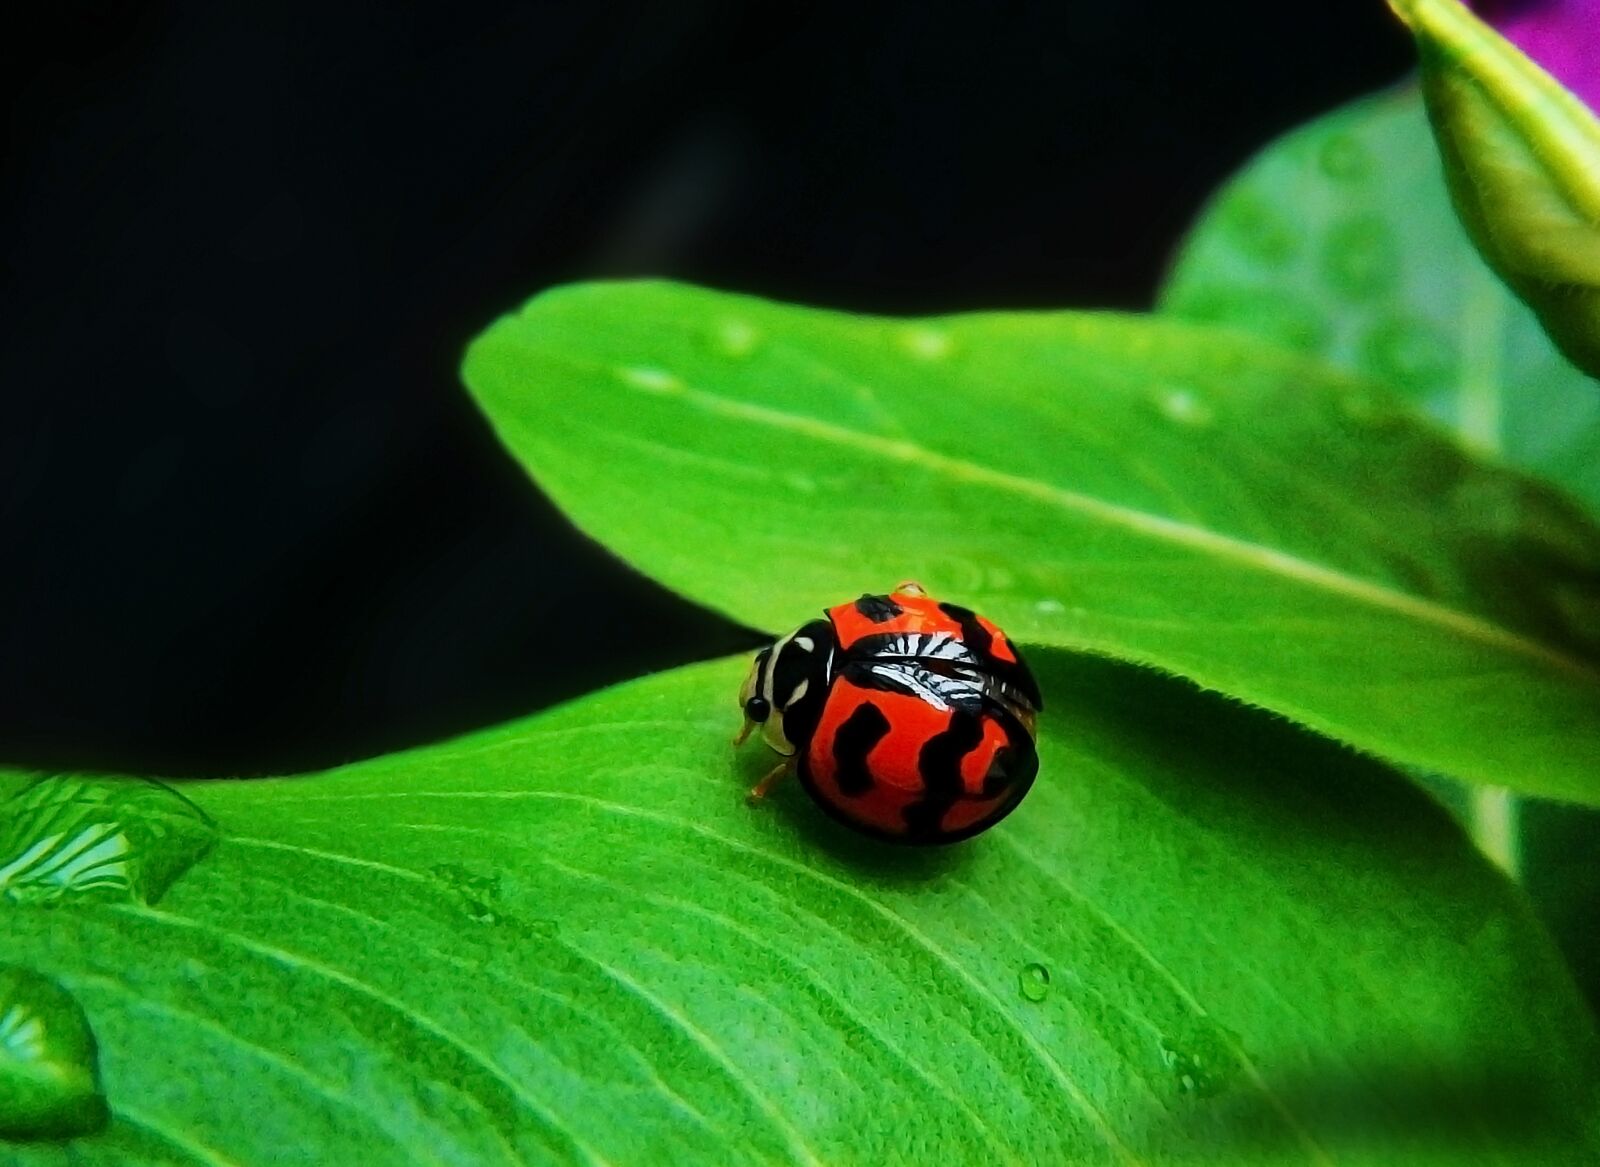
<point>1360,258</point>
<point>1199,1058</point>
<point>1034,981</point>
<point>927,344</point>
<point>1408,354</point>
<point>66,838</point>
<point>736,339</point>
<point>1343,158</point>
<point>1259,231</point>
<point>1050,607</point>
<point>1184,406</point>
<point>49,1067</point>
<point>544,926</point>
<point>477,893</point>
<point>190,969</point>
<point>651,380</point>
<point>1271,313</point>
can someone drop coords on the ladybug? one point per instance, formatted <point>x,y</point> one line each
<point>905,718</point>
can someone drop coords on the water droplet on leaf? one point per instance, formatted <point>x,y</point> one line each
<point>1271,313</point>
<point>66,838</point>
<point>1360,258</point>
<point>478,894</point>
<point>1344,158</point>
<point>1257,229</point>
<point>1199,1057</point>
<point>1184,406</point>
<point>1034,981</point>
<point>1409,355</point>
<point>928,344</point>
<point>49,1067</point>
<point>651,380</point>
<point>736,339</point>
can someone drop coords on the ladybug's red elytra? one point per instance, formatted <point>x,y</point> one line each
<point>903,717</point>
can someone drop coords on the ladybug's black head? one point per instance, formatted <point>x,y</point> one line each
<point>781,677</point>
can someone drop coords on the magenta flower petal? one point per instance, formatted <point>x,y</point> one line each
<point>1562,35</point>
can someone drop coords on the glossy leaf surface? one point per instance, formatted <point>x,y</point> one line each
<point>569,940</point>
<point>1160,493</point>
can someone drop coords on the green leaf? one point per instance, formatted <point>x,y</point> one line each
<point>1157,492</point>
<point>1523,160</point>
<point>1339,240</point>
<point>64,839</point>
<point>1273,254</point>
<point>49,1081</point>
<point>570,940</point>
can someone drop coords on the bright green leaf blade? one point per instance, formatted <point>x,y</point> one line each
<point>570,940</point>
<point>1523,160</point>
<point>1139,488</point>
<point>1340,241</point>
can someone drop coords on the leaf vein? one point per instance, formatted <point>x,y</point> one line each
<point>1252,556</point>
<point>353,984</point>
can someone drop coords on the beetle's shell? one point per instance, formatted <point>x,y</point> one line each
<point>925,732</point>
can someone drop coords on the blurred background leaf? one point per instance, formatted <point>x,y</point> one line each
<point>1522,160</point>
<point>1339,240</point>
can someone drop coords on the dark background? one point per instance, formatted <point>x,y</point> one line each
<point>250,522</point>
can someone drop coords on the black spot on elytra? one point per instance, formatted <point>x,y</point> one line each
<point>977,637</point>
<point>1022,677</point>
<point>861,731</point>
<point>975,634</point>
<point>940,766</point>
<point>1016,763</point>
<point>878,609</point>
<point>999,775</point>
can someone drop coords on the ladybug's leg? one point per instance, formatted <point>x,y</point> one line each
<point>911,588</point>
<point>763,788</point>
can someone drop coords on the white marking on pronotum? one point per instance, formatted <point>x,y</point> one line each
<point>766,677</point>
<point>772,667</point>
<point>800,690</point>
<point>806,643</point>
